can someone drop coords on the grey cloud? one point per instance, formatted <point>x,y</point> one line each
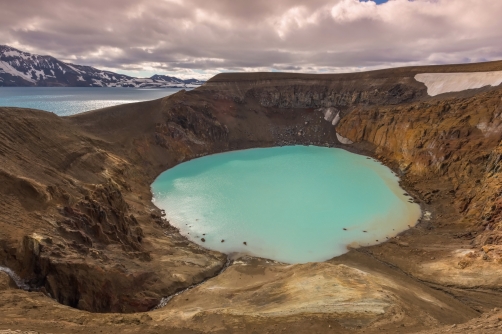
<point>289,35</point>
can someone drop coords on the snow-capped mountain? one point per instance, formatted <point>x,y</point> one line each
<point>165,78</point>
<point>18,68</point>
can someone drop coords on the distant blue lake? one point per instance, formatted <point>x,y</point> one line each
<point>65,101</point>
<point>293,204</point>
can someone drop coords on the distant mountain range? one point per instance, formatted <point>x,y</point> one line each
<point>18,68</point>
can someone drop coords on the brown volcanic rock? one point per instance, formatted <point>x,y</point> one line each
<point>6,282</point>
<point>78,229</point>
<point>315,91</point>
<point>76,216</point>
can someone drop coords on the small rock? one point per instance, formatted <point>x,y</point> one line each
<point>6,282</point>
<point>222,240</point>
<point>344,229</point>
<point>145,318</point>
<point>245,243</point>
<point>203,240</point>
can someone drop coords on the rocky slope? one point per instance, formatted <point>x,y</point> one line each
<point>82,203</point>
<point>18,68</point>
<point>77,222</point>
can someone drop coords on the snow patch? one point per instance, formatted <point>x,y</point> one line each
<point>39,74</point>
<point>7,68</point>
<point>331,115</point>
<point>12,54</point>
<point>73,68</point>
<point>97,82</point>
<point>336,119</point>
<point>439,83</point>
<point>343,140</point>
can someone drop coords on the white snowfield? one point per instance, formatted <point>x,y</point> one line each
<point>439,83</point>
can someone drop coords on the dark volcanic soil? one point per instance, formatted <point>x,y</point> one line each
<point>77,222</point>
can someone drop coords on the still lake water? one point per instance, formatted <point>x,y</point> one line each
<point>289,204</point>
<point>66,101</point>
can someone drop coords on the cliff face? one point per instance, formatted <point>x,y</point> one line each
<point>76,217</point>
<point>456,140</point>
<point>487,203</point>
<point>343,95</point>
<point>322,93</point>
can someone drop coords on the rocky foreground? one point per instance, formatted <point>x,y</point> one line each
<point>78,227</point>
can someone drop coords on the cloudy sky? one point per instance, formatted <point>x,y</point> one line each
<point>199,38</point>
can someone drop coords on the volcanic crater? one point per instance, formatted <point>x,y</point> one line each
<point>79,229</point>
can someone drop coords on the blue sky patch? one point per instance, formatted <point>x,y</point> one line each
<point>378,2</point>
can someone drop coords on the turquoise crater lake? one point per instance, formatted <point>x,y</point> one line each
<point>292,204</point>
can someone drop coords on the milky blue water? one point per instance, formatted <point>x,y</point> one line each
<point>293,204</point>
<point>65,101</point>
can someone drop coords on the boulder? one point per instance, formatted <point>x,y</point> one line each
<point>6,282</point>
